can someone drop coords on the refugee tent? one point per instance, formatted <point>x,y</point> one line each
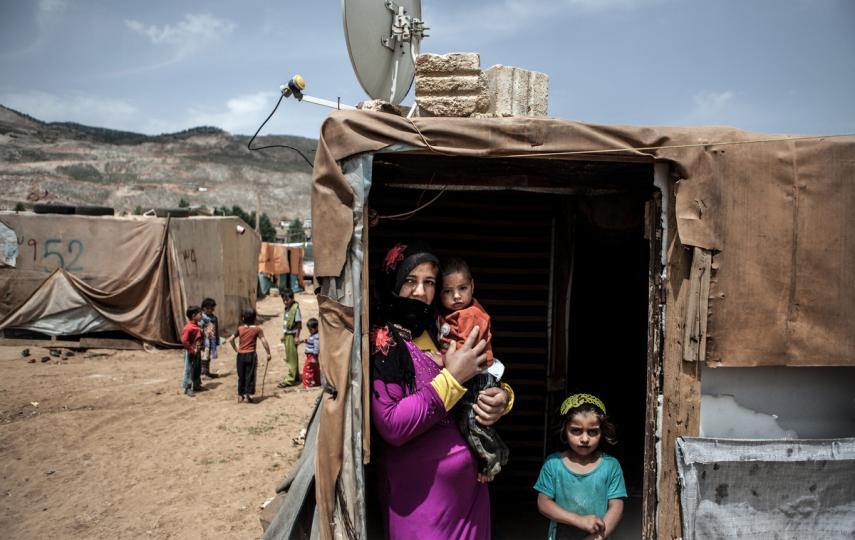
<point>73,275</point>
<point>739,246</point>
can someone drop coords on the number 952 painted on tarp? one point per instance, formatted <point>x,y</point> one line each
<point>58,251</point>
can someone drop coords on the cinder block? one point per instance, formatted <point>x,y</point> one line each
<point>457,63</point>
<point>517,92</point>
<point>457,106</point>
<point>450,85</point>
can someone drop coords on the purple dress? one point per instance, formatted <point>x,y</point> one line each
<point>428,476</point>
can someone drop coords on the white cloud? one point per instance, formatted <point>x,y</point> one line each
<point>82,108</point>
<point>189,36</point>
<point>509,16</point>
<point>711,103</point>
<point>242,114</point>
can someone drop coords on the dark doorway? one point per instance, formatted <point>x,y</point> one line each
<point>564,276</point>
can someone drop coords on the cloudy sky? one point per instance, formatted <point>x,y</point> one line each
<point>154,66</point>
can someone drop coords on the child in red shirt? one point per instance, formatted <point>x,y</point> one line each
<point>191,340</point>
<point>460,313</point>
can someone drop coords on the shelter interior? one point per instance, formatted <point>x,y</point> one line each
<point>561,261</point>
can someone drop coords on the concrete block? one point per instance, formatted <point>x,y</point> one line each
<point>517,92</point>
<point>450,85</point>
<point>457,106</point>
<point>459,63</point>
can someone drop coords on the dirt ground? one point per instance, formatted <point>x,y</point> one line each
<point>104,444</point>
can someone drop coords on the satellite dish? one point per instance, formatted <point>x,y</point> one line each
<point>383,38</point>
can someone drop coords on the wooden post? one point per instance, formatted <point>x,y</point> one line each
<point>258,211</point>
<point>681,390</point>
<point>695,332</point>
<point>653,233</point>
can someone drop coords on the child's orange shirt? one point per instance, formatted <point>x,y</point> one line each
<point>461,322</point>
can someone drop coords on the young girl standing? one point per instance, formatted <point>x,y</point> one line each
<point>247,334</point>
<point>581,490</point>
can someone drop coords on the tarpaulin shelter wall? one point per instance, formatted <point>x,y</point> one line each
<point>768,213</point>
<point>728,484</point>
<point>211,259</point>
<point>131,272</point>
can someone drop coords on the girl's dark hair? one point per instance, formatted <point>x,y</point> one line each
<point>452,265</point>
<point>312,323</point>
<point>193,310</point>
<point>248,316</point>
<point>286,293</point>
<point>606,427</point>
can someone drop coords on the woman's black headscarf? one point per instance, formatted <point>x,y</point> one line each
<point>399,317</point>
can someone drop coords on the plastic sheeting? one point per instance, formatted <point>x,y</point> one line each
<point>767,488</point>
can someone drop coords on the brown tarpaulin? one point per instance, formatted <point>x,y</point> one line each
<point>778,214</point>
<point>138,273</point>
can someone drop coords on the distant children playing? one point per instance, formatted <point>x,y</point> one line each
<point>211,330</point>
<point>291,326</point>
<point>311,368</point>
<point>581,490</point>
<point>460,313</point>
<point>191,340</point>
<point>247,359</point>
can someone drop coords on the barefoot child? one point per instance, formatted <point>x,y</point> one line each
<point>247,359</point>
<point>581,490</point>
<point>311,371</point>
<point>460,313</point>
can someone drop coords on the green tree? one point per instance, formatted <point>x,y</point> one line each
<point>138,210</point>
<point>268,231</point>
<point>295,231</point>
<point>20,207</point>
<point>183,203</point>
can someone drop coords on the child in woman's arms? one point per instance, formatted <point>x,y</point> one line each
<point>581,490</point>
<point>460,314</point>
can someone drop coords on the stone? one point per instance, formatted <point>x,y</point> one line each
<point>461,63</point>
<point>514,91</point>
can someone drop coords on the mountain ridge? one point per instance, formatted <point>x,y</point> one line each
<point>72,163</point>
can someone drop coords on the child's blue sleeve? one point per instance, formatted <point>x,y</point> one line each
<point>617,487</point>
<point>546,480</point>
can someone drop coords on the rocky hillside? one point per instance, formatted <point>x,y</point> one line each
<point>75,164</point>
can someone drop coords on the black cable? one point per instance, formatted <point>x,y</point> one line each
<point>249,144</point>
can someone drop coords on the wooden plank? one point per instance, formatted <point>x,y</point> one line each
<point>46,343</point>
<point>695,332</point>
<point>653,233</point>
<point>681,388</point>
<point>104,343</point>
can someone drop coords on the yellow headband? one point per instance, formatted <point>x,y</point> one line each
<point>577,400</point>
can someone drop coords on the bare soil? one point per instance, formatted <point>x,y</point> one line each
<point>104,444</point>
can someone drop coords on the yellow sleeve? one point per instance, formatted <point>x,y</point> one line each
<point>510,391</point>
<point>449,390</point>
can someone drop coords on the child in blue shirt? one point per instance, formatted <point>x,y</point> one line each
<point>581,490</point>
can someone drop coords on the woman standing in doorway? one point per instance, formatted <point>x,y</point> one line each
<point>428,477</point>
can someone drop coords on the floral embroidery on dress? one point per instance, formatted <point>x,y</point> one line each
<point>395,255</point>
<point>382,340</point>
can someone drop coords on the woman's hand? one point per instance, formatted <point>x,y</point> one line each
<point>467,361</point>
<point>490,406</point>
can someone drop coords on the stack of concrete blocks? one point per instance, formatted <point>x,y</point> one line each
<point>454,85</point>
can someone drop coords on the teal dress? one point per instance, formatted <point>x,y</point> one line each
<point>582,494</point>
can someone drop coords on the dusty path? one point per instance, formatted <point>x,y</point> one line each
<point>105,445</point>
